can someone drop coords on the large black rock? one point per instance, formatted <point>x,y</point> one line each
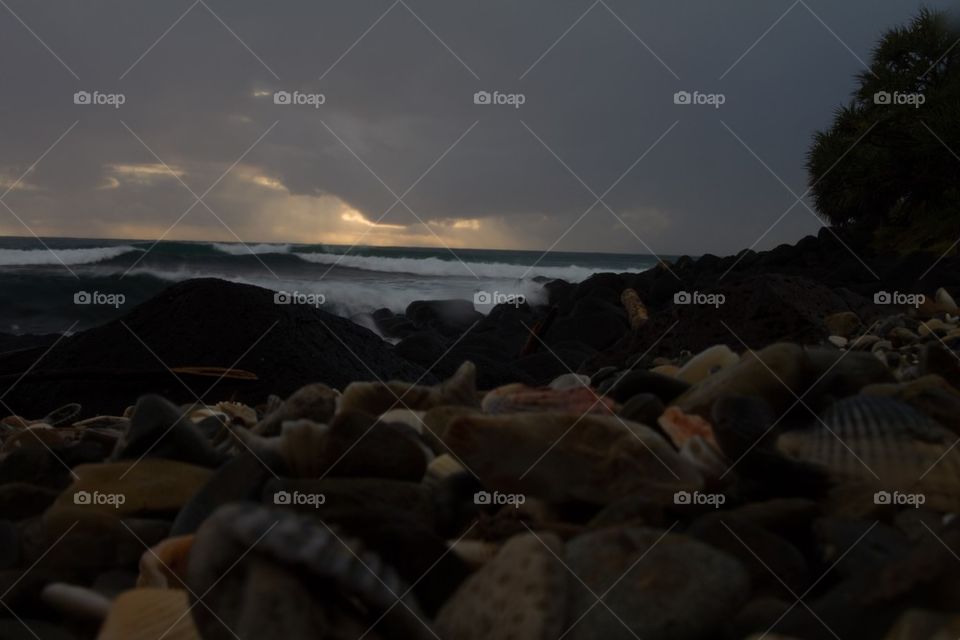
<point>201,323</point>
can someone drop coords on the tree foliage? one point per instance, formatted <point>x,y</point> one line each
<point>891,159</point>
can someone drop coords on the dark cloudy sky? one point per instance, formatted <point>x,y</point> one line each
<point>399,121</point>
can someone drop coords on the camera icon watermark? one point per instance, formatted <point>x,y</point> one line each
<point>715,500</point>
<point>896,98</point>
<point>485,498</point>
<point>298,499</point>
<point>697,298</point>
<point>915,500</point>
<point>493,298</point>
<point>298,98</point>
<point>298,298</point>
<point>115,300</point>
<point>515,100</point>
<point>96,98</point>
<point>696,98</point>
<point>95,498</point>
<point>914,300</point>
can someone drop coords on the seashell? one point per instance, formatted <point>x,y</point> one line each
<point>281,546</point>
<point>413,419</point>
<point>104,422</point>
<point>944,299</point>
<point>238,412</point>
<point>199,414</point>
<point>76,601</point>
<point>165,565</point>
<point>885,444</point>
<point>148,614</point>
<point>16,422</point>
<point>705,457</point>
<point>515,398</point>
<point>564,457</point>
<point>707,363</point>
<point>316,402</point>
<point>63,415</point>
<point>520,593</point>
<point>570,381</point>
<point>682,426</point>
<point>378,397</point>
<point>35,436</point>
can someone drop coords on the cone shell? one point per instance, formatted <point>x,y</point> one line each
<point>148,614</point>
<point>516,398</point>
<point>165,565</point>
<point>883,443</point>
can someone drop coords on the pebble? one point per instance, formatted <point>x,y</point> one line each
<point>315,402</point>
<point>150,486</point>
<point>675,588</point>
<point>570,381</point>
<point>379,397</point>
<point>520,594</point>
<point>843,324</point>
<point>644,408</point>
<point>838,341</point>
<point>624,387</point>
<point>707,363</point>
<point>516,398</point>
<point>160,429</point>
<point>565,457</point>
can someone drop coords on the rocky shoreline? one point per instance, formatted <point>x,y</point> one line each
<point>678,454</point>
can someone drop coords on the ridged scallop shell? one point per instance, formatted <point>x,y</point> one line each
<point>241,533</point>
<point>378,398</point>
<point>884,443</point>
<point>148,614</point>
<point>518,398</point>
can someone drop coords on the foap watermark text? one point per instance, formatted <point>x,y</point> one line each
<point>698,298</point>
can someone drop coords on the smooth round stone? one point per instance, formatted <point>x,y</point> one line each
<point>675,587</point>
<point>774,373</point>
<point>842,324</point>
<point>903,336</point>
<point>160,429</point>
<point>152,485</point>
<point>240,479</point>
<point>706,363</point>
<point>634,382</point>
<point>838,341</point>
<point>644,408</point>
<point>601,375</point>
<point>864,342</point>
<point>570,381</point>
<point>518,595</point>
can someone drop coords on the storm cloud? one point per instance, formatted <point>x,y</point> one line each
<point>582,146</point>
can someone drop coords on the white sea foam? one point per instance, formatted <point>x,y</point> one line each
<point>35,257</point>
<point>243,250</point>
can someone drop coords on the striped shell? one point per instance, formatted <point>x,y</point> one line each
<point>148,614</point>
<point>238,534</point>
<point>883,443</point>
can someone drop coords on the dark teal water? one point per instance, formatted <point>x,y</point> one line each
<point>43,282</point>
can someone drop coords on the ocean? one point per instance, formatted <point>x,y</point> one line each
<point>79,283</point>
